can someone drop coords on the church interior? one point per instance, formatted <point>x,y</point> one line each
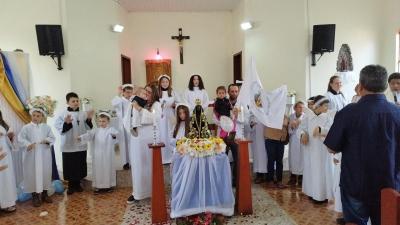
<point>92,47</point>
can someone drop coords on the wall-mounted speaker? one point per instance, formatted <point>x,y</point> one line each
<point>323,38</point>
<point>50,41</point>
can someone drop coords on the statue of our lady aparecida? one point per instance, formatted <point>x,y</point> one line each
<point>201,173</point>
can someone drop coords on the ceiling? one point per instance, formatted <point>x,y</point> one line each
<point>177,5</point>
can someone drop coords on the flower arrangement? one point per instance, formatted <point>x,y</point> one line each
<point>200,147</point>
<point>86,100</point>
<point>200,219</point>
<point>291,93</point>
<point>45,102</point>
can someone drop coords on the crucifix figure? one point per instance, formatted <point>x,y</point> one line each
<point>180,39</point>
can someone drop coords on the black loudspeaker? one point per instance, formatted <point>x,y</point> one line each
<point>323,38</point>
<point>50,40</point>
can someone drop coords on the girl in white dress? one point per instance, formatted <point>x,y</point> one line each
<point>196,91</point>
<point>182,126</point>
<point>35,139</point>
<point>167,100</point>
<point>317,172</point>
<point>8,190</point>
<point>103,140</point>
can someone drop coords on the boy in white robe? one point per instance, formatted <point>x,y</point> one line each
<point>140,154</point>
<point>8,190</point>
<point>393,92</point>
<point>120,104</point>
<point>317,173</point>
<point>103,141</point>
<point>35,139</point>
<point>260,158</point>
<point>295,148</point>
<point>70,124</point>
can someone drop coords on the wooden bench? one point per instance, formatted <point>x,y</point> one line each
<point>390,207</point>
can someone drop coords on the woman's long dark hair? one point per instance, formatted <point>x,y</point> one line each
<point>3,123</point>
<point>330,89</point>
<point>155,95</point>
<point>201,84</point>
<point>178,120</point>
<point>169,87</point>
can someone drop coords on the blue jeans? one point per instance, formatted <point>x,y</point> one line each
<point>357,211</point>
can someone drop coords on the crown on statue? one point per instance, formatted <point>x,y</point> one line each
<point>197,101</point>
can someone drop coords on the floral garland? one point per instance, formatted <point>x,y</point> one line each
<point>200,147</point>
<point>45,102</point>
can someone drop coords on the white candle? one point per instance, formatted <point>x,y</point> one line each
<point>154,117</point>
<point>241,113</point>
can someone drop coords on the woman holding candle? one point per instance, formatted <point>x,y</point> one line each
<point>146,133</point>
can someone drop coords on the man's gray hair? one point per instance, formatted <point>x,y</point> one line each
<point>374,78</point>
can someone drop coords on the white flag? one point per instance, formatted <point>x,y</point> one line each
<point>267,107</point>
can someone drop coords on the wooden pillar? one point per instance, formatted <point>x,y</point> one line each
<point>158,203</point>
<point>244,204</point>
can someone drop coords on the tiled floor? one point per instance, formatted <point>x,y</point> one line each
<point>86,208</point>
<point>301,209</point>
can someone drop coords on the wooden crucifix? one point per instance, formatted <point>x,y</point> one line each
<point>180,39</point>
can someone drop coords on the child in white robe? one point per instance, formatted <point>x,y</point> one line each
<point>182,125</point>
<point>196,91</point>
<point>317,173</point>
<point>140,154</point>
<point>120,104</point>
<point>70,124</point>
<point>35,139</point>
<point>260,158</point>
<point>8,190</point>
<point>103,141</point>
<point>295,148</point>
<point>167,100</point>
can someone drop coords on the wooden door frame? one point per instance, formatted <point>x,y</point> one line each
<point>124,57</point>
<point>241,66</point>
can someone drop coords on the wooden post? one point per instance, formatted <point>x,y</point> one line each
<point>244,204</point>
<point>158,203</point>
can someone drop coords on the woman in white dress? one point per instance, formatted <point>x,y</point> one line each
<point>260,158</point>
<point>317,172</point>
<point>167,100</point>
<point>337,101</point>
<point>195,92</point>
<point>142,135</point>
<point>8,190</point>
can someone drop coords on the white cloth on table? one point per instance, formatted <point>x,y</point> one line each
<point>103,154</point>
<point>37,163</point>
<point>166,124</point>
<point>8,189</point>
<point>296,157</point>
<point>121,105</point>
<point>201,185</point>
<point>140,154</point>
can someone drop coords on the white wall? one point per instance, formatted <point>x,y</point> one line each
<point>17,21</point>
<point>278,42</point>
<point>390,27</point>
<point>208,52</point>
<point>358,24</point>
<point>281,39</point>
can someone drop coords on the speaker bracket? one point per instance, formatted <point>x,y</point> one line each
<point>313,61</point>
<point>58,63</point>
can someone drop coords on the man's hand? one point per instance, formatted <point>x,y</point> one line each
<point>304,139</point>
<point>316,132</point>
<point>31,146</point>
<point>331,151</point>
<point>68,119</point>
